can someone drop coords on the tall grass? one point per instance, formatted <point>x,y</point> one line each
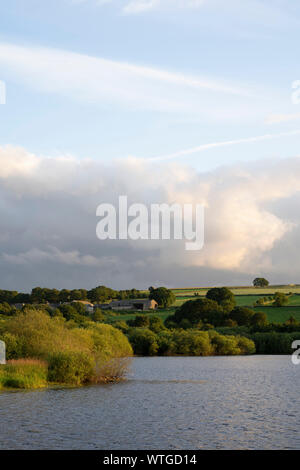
<point>24,373</point>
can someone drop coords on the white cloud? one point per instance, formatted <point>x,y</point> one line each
<point>48,221</point>
<point>279,118</point>
<point>95,80</point>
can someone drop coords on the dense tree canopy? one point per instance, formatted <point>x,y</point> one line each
<point>163,296</point>
<point>280,299</point>
<point>223,296</point>
<point>260,282</point>
<point>194,311</point>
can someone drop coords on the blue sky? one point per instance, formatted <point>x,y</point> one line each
<point>185,101</point>
<point>249,48</point>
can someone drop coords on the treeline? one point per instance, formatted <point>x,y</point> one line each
<point>149,336</point>
<point>41,295</point>
<point>146,342</point>
<point>75,312</point>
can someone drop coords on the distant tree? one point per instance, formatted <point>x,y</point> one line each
<point>140,321</point>
<point>70,312</point>
<point>101,294</point>
<point>6,309</point>
<point>51,295</point>
<point>202,309</point>
<point>291,321</point>
<point>163,296</point>
<point>260,282</point>
<point>280,299</point>
<point>64,295</point>
<point>80,308</point>
<point>8,296</point>
<point>259,319</point>
<point>98,315</point>
<point>156,324</point>
<point>143,341</point>
<point>223,296</point>
<point>22,298</point>
<point>38,295</point>
<point>242,315</point>
<point>76,294</point>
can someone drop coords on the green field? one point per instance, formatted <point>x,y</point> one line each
<point>245,297</point>
<point>280,314</point>
<point>190,291</point>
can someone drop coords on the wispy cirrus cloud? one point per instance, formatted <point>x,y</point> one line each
<point>97,80</point>
<point>226,143</point>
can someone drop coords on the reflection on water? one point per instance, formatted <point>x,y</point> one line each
<point>144,381</point>
<point>170,403</point>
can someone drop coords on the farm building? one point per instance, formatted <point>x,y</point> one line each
<point>131,304</point>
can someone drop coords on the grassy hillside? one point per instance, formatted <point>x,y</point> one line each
<point>245,297</point>
<point>190,291</point>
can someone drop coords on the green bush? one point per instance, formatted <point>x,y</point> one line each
<point>75,368</point>
<point>34,334</point>
<point>143,341</point>
<point>274,343</point>
<point>190,342</point>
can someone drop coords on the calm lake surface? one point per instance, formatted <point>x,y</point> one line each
<point>167,403</point>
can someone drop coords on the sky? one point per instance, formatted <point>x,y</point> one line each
<point>189,101</point>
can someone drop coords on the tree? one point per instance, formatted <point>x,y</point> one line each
<point>64,295</point>
<point>156,324</point>
<point>76,294</point>
<point>260,282</point>
<point>140,321</point>
<point>223,297</point>
<point>163,296</point>
<point>98,316</point>
<point>203,309</point>
<point>101,294</point>
<point>38,295</point>
<point>143,341</point>
<point>259,319</point>
<point>280,299</point>
<point>242,315</point>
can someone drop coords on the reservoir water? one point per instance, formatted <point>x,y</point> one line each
<point>248,402</point>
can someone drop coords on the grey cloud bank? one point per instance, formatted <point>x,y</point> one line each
<point>48,230</point>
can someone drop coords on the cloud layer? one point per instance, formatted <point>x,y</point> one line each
<point>48,229</point>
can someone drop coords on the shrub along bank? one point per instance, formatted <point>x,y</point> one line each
<point>52,350</point>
